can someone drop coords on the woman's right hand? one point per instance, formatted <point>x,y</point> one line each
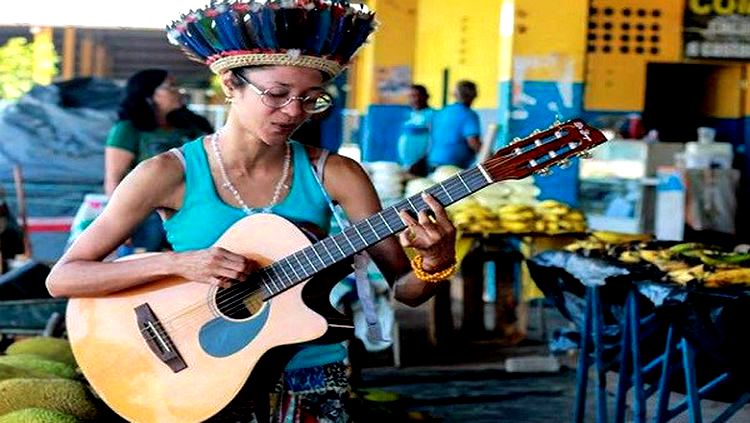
<point>215,266</point>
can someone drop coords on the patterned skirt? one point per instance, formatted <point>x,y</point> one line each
<point>307,395</point>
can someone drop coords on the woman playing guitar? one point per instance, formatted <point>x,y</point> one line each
<point>252,166</point>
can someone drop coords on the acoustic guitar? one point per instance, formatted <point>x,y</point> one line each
<point>176,350</point>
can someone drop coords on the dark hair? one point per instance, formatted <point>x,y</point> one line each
<point>421,89</point>
<point>137,106</point>
<point>467,90</point>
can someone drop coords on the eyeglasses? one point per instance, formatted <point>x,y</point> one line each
<point>278,97</point>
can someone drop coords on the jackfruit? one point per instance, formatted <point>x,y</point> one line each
<point>62,395</point>
<point>11,372</point>
<point>56,349</point>
<point>33,362</point>
<point>37,415</point>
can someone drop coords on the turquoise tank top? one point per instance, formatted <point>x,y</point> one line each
<point>203,208</point>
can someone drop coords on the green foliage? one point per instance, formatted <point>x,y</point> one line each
<point>22,63</point>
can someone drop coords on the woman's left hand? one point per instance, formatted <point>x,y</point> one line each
<point>434,239</point>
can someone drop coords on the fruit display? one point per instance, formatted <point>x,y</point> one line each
<point>557,217</point>
<point>681,263</point>
<point>546,217</point>
<point>40,382</point>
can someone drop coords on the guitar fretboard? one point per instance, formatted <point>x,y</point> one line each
<point>305,263</point>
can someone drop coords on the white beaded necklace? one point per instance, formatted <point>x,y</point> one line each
<point>230,187</point>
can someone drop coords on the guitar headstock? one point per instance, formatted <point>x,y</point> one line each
<point>534,154</point>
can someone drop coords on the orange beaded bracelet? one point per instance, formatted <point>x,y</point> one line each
<point>416,265</point>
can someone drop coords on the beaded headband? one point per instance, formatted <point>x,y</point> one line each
<point>317,34</point>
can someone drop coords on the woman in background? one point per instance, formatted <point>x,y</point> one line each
<point>152,118</point>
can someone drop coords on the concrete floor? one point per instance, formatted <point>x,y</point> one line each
<point>465,381</point>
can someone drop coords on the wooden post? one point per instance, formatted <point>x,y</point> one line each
<point>100,60</point>
<point>87,55</point>
<point>21,200</point>
<point>69,53</point>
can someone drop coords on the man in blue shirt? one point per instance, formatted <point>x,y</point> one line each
<point>456,131</point>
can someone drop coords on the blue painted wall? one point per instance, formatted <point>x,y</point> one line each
<point>545,104</point>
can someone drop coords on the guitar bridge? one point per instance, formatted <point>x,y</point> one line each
<point>157,338</point>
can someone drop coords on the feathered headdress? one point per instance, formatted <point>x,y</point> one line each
<point>317,34</point>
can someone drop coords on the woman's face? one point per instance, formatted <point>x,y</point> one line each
<point>273,126</point>
<point>167,96</point>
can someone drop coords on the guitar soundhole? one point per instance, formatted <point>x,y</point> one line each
<point>238,301</point>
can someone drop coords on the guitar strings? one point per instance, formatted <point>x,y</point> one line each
<point>237,300</point>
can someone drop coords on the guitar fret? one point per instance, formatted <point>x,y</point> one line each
<point>301,266</point>
<point>377,236</point>
<point>337,246</point>
<point>315,250</point>
<point>408,200</point>
<point>304,253</point>
<point>283,269</point>
<point>266,282</point>
<point>386,222</point>
<point>450,197</point>
<point>296,275</point>
<point>349,241</point>
<point>271,277</point>
<point>364,241</point>
<point>460,178</point>
<point>323,243</point>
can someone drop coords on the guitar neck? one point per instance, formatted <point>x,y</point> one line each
<point>305,263</point>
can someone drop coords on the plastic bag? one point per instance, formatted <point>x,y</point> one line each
<point>91,207</point>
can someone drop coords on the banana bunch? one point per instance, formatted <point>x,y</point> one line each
<point>687,275</point>
<point>586,246</point>
<point>517,218</point>
<point>726,277</point>
<point>470,216</point>
<point>555,217</point>
<point>614,238</point>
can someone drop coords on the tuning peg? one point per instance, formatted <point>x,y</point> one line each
<point>535,131</point>
<point>517,151</point>
<point>543,172</point>
<point>585,154</point>
<point>515,140</point>
<point>564,164</point>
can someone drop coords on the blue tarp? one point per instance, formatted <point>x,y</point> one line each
<point>56,133</point>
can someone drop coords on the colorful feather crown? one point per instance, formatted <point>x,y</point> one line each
<point>317,34</point>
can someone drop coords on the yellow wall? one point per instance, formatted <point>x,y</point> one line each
<point>724,98</point>
<point>616,79</point>
<point>393,44</point>
<point>462,36</point>
<point>550,40</point>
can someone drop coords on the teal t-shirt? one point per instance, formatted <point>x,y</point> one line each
<point>204,217</point>
<point>146,144</point>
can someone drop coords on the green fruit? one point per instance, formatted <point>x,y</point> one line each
<point>10,372</point>
<point>37,415</point>
<point>36,363</point>
<point>56,349</point>
<point>61,395</point>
